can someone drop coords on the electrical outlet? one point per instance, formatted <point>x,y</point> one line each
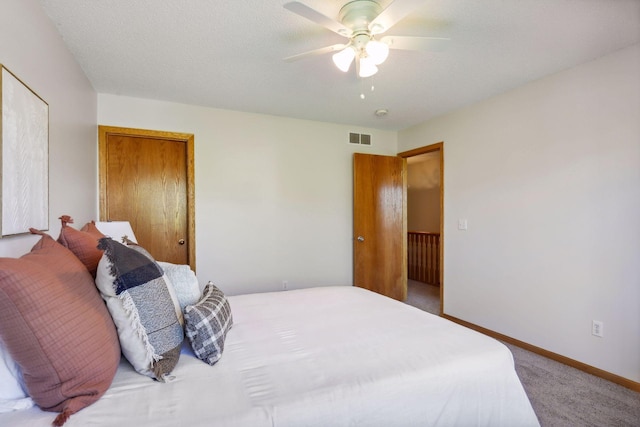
<point>597,328</point>
<point>285,285</point>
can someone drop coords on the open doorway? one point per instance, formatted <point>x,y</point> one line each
<point>424,217</point>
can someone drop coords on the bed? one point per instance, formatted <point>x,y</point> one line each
<point>326,356</point>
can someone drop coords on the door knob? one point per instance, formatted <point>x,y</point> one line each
<point>181,242</point>
<point>360,239</point>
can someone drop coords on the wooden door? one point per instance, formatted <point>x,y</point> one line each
<point>146,178</point>
<point>379,243</point>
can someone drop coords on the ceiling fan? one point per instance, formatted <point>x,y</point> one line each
<point>361,21</point>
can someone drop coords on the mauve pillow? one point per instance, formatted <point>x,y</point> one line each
<point>83,243</point>
<point>56,327</point>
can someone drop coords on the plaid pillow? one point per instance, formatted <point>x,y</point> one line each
<point>207,323</point>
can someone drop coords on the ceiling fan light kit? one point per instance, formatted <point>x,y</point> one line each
<point>369,53</point>
<point>377,51</point>
<point>344,58</point>
<point>367,67</point>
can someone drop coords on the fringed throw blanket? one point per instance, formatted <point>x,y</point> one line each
<point>140,299</point>
<point>130,269</point>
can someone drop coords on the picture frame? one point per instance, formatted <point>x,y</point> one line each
<point>24,154</point>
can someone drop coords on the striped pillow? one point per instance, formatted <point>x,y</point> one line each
<point>207,323</point>
<point>141,301</point>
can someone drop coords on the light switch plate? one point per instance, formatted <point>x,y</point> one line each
<point>462,224</point>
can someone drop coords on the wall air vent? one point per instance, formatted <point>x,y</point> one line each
<point>357,138</point>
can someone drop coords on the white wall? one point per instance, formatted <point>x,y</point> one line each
<point>273,194</point>
<point>548,176</point>
<point>31,48</point>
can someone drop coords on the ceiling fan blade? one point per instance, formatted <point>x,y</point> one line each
<point>317,17</point>
<point>321,51</point>
<point>433,44</point>
<point>392,14</point>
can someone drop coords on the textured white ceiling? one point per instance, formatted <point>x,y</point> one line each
<point>228,54</point>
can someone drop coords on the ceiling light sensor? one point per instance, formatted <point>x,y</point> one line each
<point>381,112</point>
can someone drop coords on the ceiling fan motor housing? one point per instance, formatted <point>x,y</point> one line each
<point>358,14</point>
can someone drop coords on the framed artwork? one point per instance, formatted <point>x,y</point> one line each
<point>24,169</point>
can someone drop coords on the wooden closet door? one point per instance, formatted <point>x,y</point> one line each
<point>145,180</point>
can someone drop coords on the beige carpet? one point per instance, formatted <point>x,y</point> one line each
<point>423,296</point>
<point>560,395</point>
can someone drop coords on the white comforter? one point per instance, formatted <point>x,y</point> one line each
<point>332,356</point>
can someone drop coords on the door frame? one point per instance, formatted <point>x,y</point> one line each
<point>439,146</point>
<point>187,138</point>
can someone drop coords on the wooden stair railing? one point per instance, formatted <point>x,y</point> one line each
<point>423,257</point>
